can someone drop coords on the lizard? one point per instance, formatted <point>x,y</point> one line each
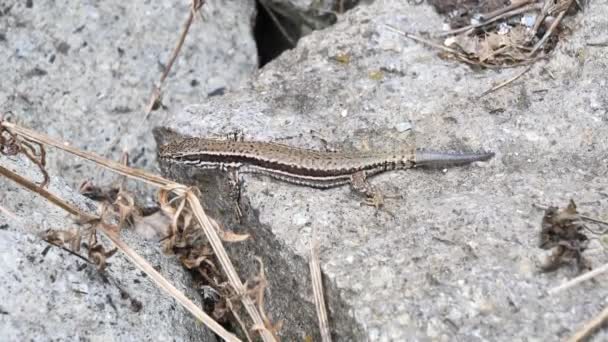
<point>307,167</point>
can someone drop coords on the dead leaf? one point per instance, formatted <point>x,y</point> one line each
<point>562,232</point>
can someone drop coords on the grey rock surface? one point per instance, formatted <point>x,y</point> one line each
<point>85,71</point>
<point>49,294</point>
<point>457,257</point>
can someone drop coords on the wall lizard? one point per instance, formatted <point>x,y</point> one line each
<point>312,168</point>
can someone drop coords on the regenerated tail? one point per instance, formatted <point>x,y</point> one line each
<point>433,159</point>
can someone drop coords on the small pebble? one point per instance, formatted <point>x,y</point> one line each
<point>403,126</point>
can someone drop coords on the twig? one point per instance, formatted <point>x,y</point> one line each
<point>196,5</point>
<point>598,44</point>
<point>109,164</point>
<point>110,232</point>
<point>594,220</point>
<point>540,17</point>
<point>584,217</point>
<point>9,213</point>
<point>575,281</point>
<point>424,41</point>
<point>554,24</point>
<point>590,327</point>
<point>471,27</point>
<point>505,82</point>
<point>68,250</point>
<point>14,145</point>
<point>238,319</point>
<point>513,5</point>
<point>226,263</point>
<point>457,54</point>
<point>317,289</point>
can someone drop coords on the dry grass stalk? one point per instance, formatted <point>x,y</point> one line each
<point>11,145</point>
<point>234,312</point>
<point>450,51</point>
<point>575,281</point>
<point>222,256</point>
<point>584,217</point>
<point>590,327</point>
<point>8,214</point>
<point>502,84</point>
<point>422,40</point>
<point>317,289</point>
<point>154,99</point>
<point>257,292</point>
<point>180,191</point>
<point>549,32</point>
<point>490,20</point>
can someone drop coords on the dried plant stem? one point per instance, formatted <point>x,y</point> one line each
<point>460,56</point>
<point>83,258</point>
<point>109,164</point>
<point>196,4</point>
<point>110,231</point>
<point>594,220</point>
<point>226,263</point>
<point>513,5</point>
<point>26,183</point>
<point>489,21</point>
<point>178,189</point>
<point>549,32</point>
<point>424,41</point>
<point>541,17</point>
<point>317,289</point>
<point>590,327</point>
<point>8,213</point>
<point>239,320</point>
<point>598,44</point>
<point>505,82</point>
<point>575,281</point>
<point>584,217</point>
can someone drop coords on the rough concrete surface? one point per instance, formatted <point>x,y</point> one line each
<point>85,70</point>
<point>456,258</point>
<point>51,295</point>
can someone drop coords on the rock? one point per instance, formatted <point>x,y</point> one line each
<point>88,77</point>
<point>454,242</point>
<point>50,294</point>
<point>83,72</point>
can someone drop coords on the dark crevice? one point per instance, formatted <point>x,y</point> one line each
<point>278,28</point>
<point>270,41</point>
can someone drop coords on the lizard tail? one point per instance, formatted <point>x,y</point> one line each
<point>442,159</point>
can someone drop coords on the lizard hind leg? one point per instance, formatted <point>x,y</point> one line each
<point>359,183</point>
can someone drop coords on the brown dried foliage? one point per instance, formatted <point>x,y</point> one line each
<point>173,225</point>
<point>496,34</point>
<point>71,241</point>
<point>186,239</point>
<point>562,233</point>
<point>256,288</point>
<point>12,145</point>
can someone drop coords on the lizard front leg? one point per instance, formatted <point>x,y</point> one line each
<point>234,183</point>
<point>359,183</point>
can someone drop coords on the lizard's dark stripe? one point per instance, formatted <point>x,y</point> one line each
<point>288,168</point>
